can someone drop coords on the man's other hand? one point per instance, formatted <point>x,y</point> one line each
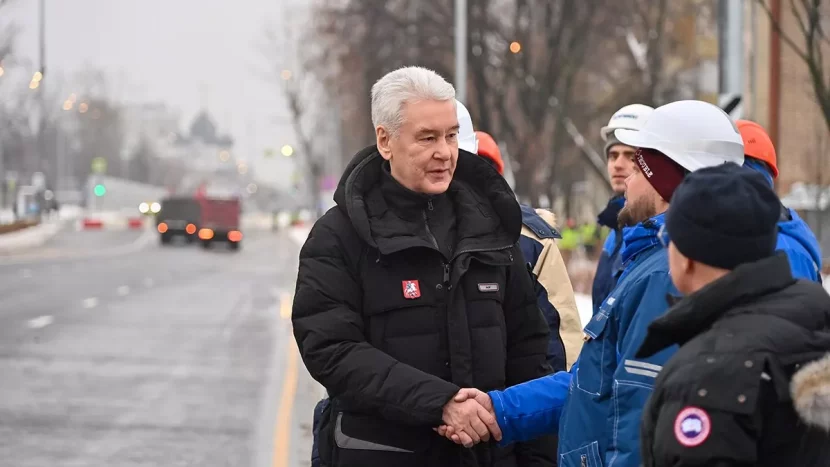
<point>469,418</point>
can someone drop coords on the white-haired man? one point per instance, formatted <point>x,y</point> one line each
<point>413,287</point>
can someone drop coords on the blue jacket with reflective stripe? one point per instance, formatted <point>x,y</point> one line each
<point>599,403</point>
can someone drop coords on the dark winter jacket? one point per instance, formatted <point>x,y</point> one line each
<point>393,323</point>
<point>724,398</point>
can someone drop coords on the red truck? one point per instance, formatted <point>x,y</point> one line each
<point>220,222</point>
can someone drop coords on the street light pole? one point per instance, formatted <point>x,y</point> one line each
<point>730,56</point>
<point>461,50</point>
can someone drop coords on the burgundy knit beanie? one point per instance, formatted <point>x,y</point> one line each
<point>661,172</point>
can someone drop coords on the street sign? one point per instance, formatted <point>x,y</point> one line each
<point>99,165</point>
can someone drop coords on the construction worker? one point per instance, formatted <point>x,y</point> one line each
<point>794,235</point>
<point>620,164</point>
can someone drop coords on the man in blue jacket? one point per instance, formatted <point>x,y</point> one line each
<point>620,164</point>
<point>596,407</point>
<point>794,235</point>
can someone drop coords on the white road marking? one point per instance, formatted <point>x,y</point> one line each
<point>90,302</point>
<point>148,282</point>
<point>26,273</point>
<point>123,290</point>
<point>40,322</point>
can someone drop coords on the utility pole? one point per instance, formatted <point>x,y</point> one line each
<point>461,50</point>
<point>730,57</point>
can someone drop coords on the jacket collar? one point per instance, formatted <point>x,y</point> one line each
<point>406,203</point>
<point>608,216</point>
<point>488,216</point>
<point>641,237</point>
<point>697,312</point>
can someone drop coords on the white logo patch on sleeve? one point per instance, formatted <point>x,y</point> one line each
<point>692,426</point>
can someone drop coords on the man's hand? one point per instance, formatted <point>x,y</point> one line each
<point>469,418</point>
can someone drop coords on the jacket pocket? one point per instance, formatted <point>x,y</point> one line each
<point>586,456</point>
<point>596,355</point>
<point>361,440</point>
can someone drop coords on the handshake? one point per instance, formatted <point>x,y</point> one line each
<point>469,419</point>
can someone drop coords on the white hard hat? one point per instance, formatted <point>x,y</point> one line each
<point>630,117</point>
<point>466,134</point>
<point>694,134</point>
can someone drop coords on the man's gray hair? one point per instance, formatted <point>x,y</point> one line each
<point>408,84</point>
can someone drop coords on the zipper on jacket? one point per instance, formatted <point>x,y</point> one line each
<point>446,274</point>
<point>429,231</point>
<point>429,204</point>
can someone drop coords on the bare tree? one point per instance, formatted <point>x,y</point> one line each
<point>142,161</point>
<point>100,134</point>
<point>8,34</point>
<point>307,99</point>
<point>809,42</point>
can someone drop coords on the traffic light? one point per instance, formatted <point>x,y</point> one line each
<point>100,190</point>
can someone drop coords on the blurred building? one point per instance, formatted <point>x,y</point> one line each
<point>779,95</point>
<point>152,123</point>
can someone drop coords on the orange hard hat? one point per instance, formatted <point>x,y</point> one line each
<point>757,144</point>
<point>488,148</point>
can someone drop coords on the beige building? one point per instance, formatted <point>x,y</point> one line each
<point>779,96</point>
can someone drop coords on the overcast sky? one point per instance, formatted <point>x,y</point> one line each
<point>188,54</point>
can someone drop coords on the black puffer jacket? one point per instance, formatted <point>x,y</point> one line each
<point>390,363</point>
<point>725,398</point>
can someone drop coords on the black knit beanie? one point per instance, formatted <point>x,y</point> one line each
<point>724,216</point>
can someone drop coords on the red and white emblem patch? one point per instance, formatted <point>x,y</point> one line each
<point>411,289</point>
<point>692,426</point>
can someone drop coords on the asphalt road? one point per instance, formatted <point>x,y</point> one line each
<point>115,351</point>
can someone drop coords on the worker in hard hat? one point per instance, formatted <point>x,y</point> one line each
<point>597,406</point>
<point>794,235</point>
<point>554,290</point>
<point>620,164</point>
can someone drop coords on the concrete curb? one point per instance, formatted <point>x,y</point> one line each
<point>30,237</point>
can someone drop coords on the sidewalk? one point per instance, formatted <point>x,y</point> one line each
<point>35,236</point>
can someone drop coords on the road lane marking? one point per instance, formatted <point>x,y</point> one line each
<point>282,430</point>
<point>40,322</point>
<point>26,273</point>
<point>285,305</point>
<point>123,290</point>
<point>90,302</point>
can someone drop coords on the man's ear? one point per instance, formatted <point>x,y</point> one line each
<point>687,264</point>
<point>383,142</point>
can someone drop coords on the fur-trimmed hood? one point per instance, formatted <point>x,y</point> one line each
<point>810,389</point>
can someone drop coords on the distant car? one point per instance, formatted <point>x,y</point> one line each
<point>220,222</point>
<point>149,209</point>
<point>178,216</point>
